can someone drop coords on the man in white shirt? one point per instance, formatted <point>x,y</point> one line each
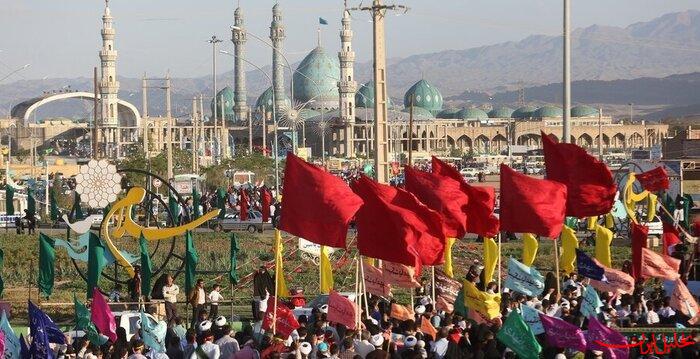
<point>363,346</point>
<point>214,298</point>
<point>170,292</point>
<point>228,344</point>
<point>439,346</point>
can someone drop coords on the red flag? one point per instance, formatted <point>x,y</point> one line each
<point>656,265</point>
<point>530,205</point>
<point>671,237</point>
<point>393,225</point>
<point>616,281</point>
<point>374,281</point>
<point>286,322</point>
<point>638,234</point>
<point>401,312</point>
<point>683,301</point>
<point>654,180</point>
<point>102,316</point>
<point>480,218</point>
<point>265,203</point>
<point>590,185</point>
<point>244,205</point>
<point>399,275</point>
<point>341,310</point>
<point>317,205</point>
<point>440,194</point>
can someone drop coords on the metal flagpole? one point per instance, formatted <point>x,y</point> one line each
<point>499,263</point>
<point>357,292</point>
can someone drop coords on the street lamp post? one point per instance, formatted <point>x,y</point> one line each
<point>274,117</point>
<point>213,41</point>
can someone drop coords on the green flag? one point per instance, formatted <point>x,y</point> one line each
<point>233,272</point>
<point>53,206</point>
<point>146,267</point>
<point>174,209</point>
<point>31,202</point>
<point>77,210</point>
<point>83,322</point>
<point>221,202</point>
<point>191,259</point>
<point>96,262</point>
<point>517,335</point>
<point>2,265</point>
<point>9,200</point>
<point>47,259</point>
<point>196,198</point>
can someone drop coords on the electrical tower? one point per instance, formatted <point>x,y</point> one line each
<point>381,141</point>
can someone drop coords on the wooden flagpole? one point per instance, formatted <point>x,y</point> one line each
<point>432,284</point>
<point>364,288</point>
<point>556,263</point>
<point>277,276</point>
<point>357,292</point>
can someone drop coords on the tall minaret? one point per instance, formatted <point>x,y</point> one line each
<point>347,85</point>
<point>238,37</point>
<point>109,86</point>
<point>277,37</point>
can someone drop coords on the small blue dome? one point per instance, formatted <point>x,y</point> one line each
<point>472,113</point>
<point>265,100</point>
<point>548,111</point>
<point>501,112</point>
<point>524,112</point>
<point>424,95</point>
<point>583,111</point>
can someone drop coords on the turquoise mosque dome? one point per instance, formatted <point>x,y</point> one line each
<point>265,100</point>
<point>225,97</point>
<point>364,97</point>
<point>419,112</point>
<point>424,95</point>
<point>316,80</point>
<point>583,111</point>
<point>548,111</point>
<point>472,113</point>
<point>501,112</point>
<point>524,112</point>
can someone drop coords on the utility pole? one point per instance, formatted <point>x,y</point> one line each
<point>213,41</point>
<point>566,133</point>
<point>381,143</point>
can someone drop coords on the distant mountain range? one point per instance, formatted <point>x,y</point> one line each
<point>645,53</point>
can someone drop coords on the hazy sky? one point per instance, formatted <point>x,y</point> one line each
<point>61,38</point>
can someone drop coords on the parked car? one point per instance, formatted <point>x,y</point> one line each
<point>128,320</point>
<point>232,222</point>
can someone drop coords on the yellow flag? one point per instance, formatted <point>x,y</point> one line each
<point>326,272</point>
<point>448,257</point>
<point>569,243</point>
<point>603,239</point>
<point>609,221</point>
<point>651,207</point>
<point>490,258</point>
<point>592,223</point>
<point>530,246</point>
<point>484,303</point>
<point>281,286</point>
<point>631,198</point>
